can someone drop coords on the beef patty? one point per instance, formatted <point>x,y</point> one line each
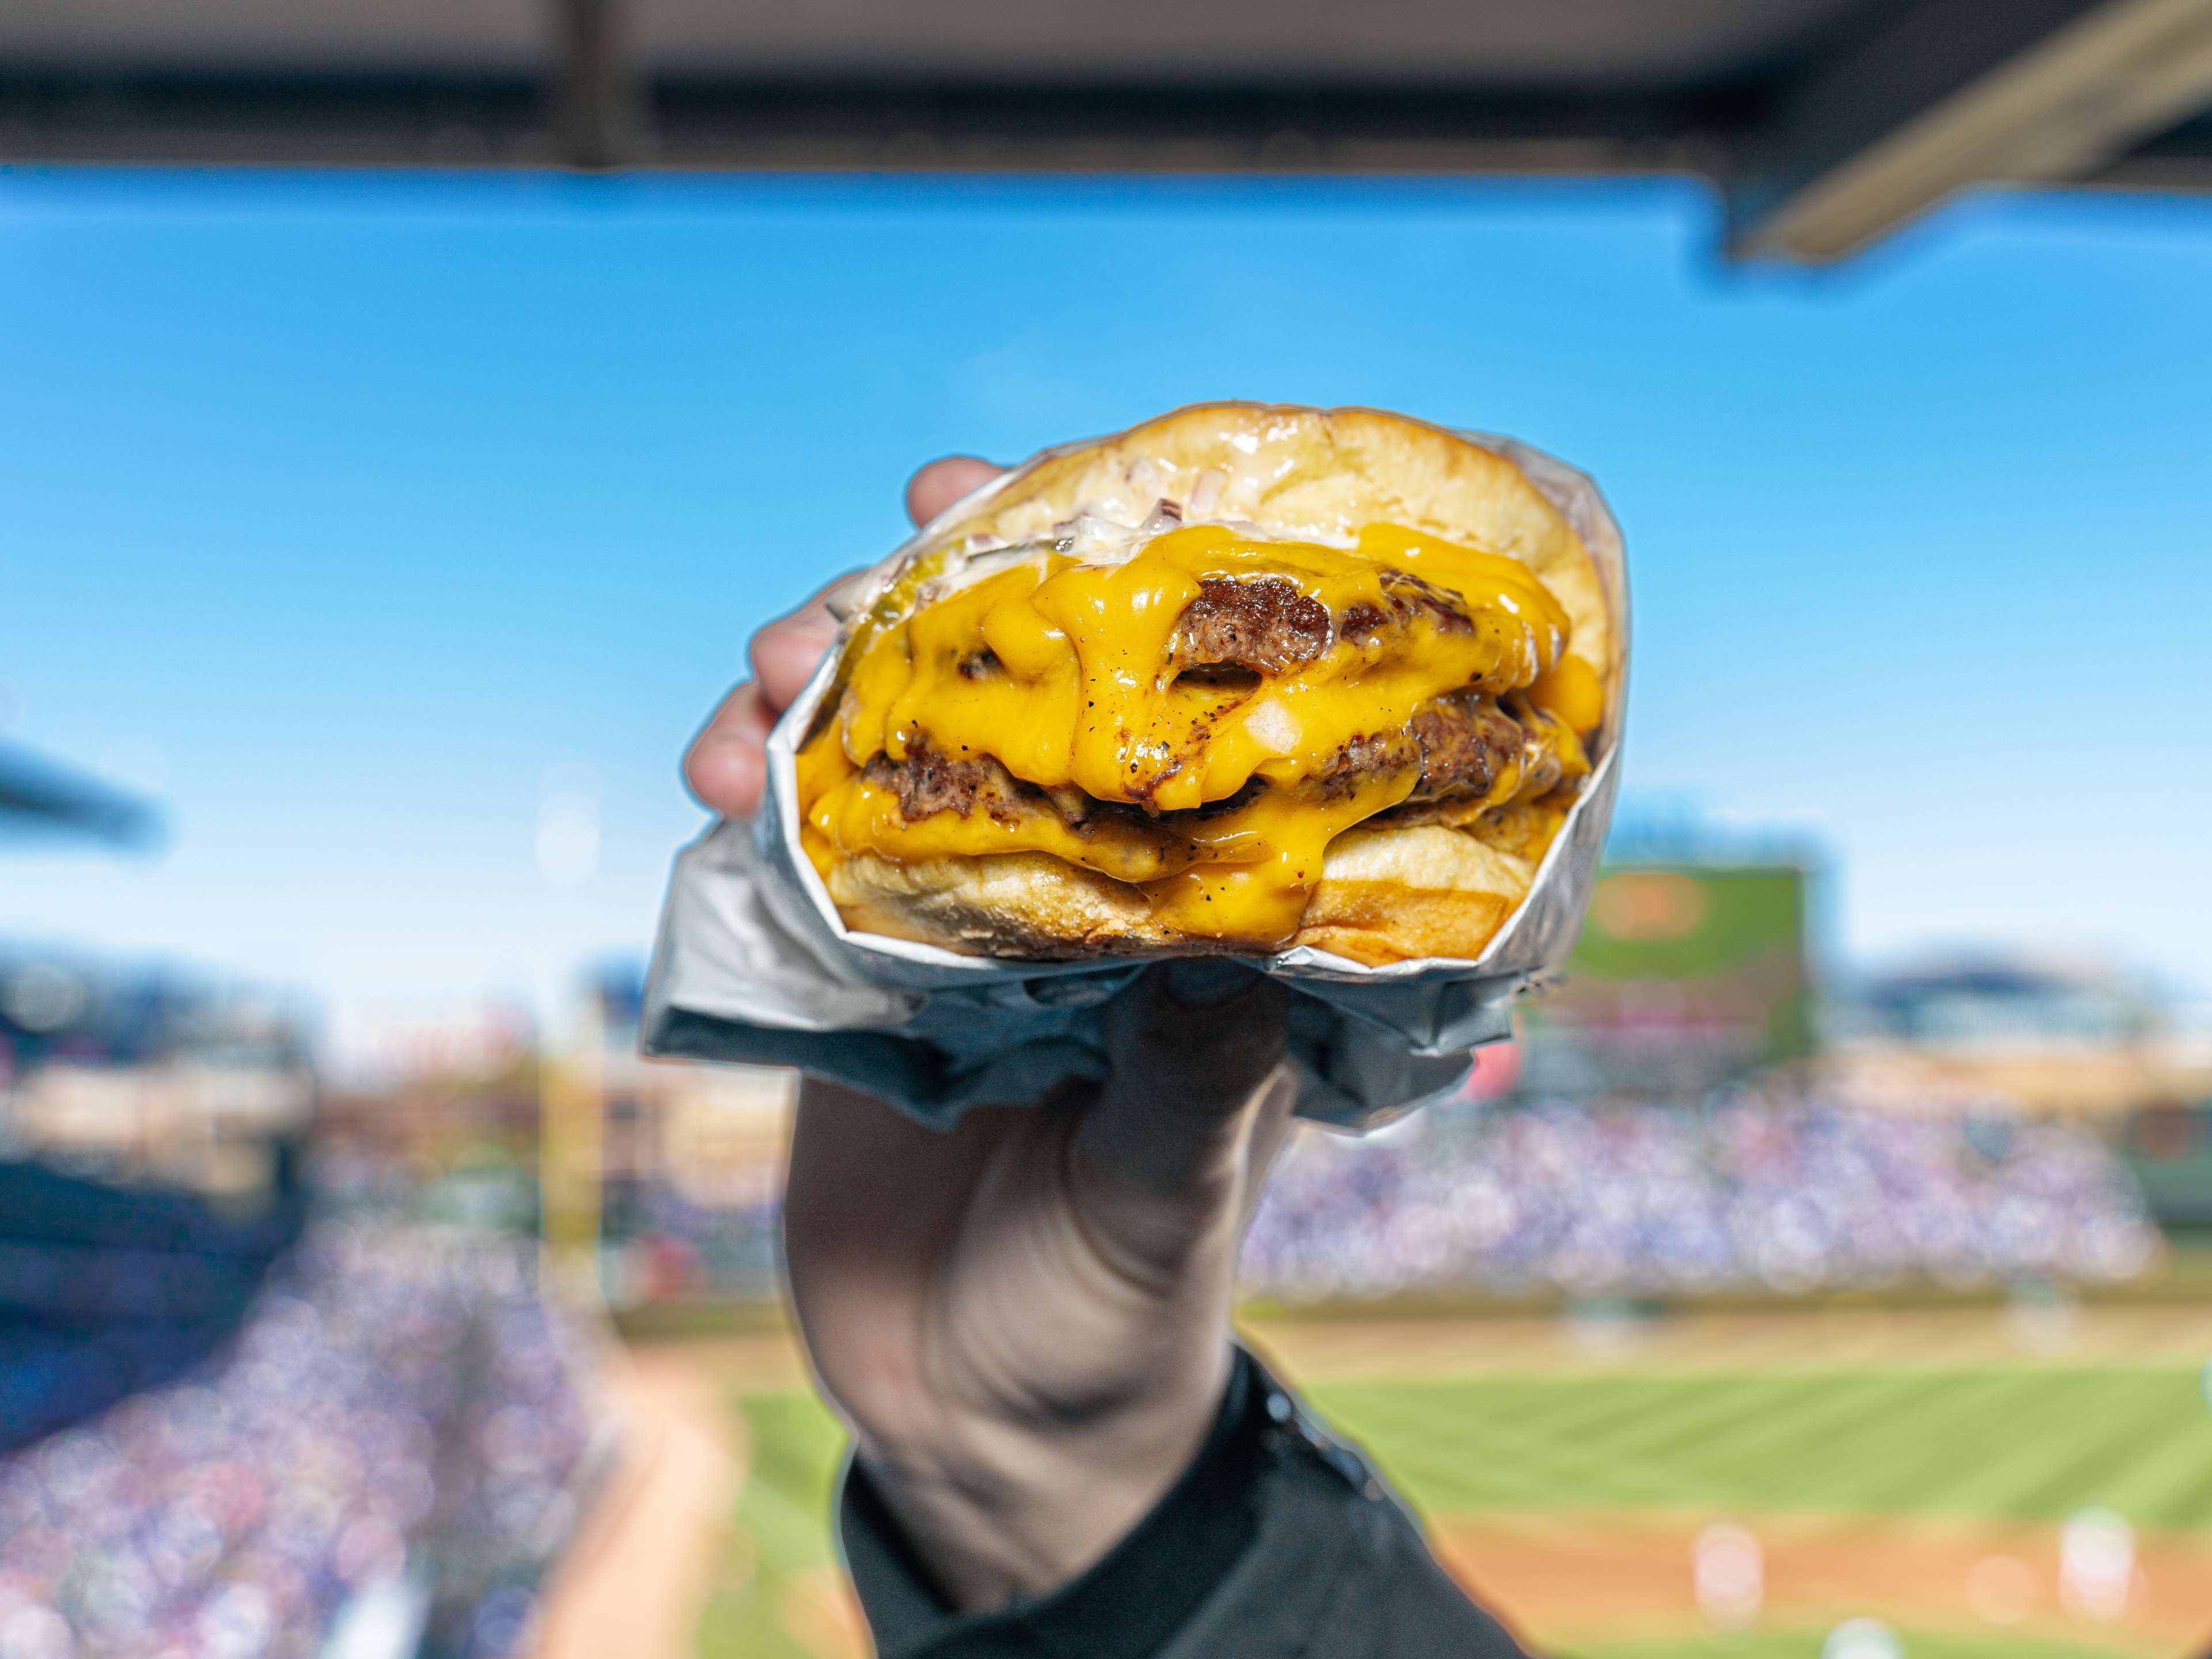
<point>1463,744</point>
<point>926,782</point>
<point>929,781</point>
<point>1405,600</point>
<point>1265,625</point>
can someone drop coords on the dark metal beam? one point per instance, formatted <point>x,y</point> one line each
<point>280,120</point>
<point>423,121</point>
<point>1949,93</point>
<point>1178,130</point>
<point>602,104</point>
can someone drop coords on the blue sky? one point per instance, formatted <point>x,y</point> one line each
<point>366,516</point>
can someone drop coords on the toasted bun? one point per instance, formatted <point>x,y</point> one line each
<point>1386,893</point>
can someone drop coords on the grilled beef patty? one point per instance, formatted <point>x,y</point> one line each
<point>1265,625</point>
<point>1463,744</point>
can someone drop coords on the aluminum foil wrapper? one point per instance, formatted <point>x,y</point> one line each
<point>753,963</point>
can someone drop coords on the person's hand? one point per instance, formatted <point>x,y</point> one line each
<point>1024,1322</point>
<point>726,765</point>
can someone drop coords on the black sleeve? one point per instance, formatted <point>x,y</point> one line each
<point>1279,1540</point>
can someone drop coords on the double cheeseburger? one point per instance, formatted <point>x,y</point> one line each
<point>1241,679</point>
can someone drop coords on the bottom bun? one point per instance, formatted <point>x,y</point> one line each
<point>1385,894</point>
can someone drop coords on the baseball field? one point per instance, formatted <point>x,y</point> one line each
<point>1856,1482</point>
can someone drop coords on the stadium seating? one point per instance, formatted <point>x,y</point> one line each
<point>1777,1190</point>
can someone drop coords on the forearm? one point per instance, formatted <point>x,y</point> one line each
<point>1025,1319</point>
<point>1062,1409</point>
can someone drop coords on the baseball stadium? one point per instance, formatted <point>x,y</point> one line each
<point>418,406</point>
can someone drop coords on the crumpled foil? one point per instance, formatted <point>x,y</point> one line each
<point>754,964</point>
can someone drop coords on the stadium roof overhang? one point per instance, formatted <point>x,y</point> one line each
<point>1824,124</point>
<point>40,799</point>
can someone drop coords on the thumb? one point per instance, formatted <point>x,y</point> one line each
<point>1193,1039</point>
<point>1195,1049</point>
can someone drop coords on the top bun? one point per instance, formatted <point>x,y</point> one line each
<point>1296,472</point>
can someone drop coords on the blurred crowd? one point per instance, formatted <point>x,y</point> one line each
<point>1777,1190</point>
<point>396,1441</point>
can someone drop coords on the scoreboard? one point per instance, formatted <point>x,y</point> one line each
<point>1687,974</point>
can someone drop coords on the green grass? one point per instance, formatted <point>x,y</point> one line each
<point>2034,1445</point>
<point>2028,1444</point>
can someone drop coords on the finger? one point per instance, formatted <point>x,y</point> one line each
<point>726,766</point>
<point>784,653</point>
<point>1195,1037</point>
<point>940,483</point>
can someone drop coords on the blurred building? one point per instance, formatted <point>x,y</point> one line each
<point>129,1072</point>
<point>663,1179</point>
<point>139,1073</point>
<point>1993,1005</point>
<point>436,1113</point>
<point>2066,1040</point>
<point>692,1164</point>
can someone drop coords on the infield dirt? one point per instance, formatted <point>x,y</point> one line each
<point>1829,1338</point>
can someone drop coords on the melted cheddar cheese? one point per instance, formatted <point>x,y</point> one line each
<point>1064,671</point>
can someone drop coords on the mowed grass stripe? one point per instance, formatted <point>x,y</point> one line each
<point>1915,1442</point>
<point>1502,1444</point>
<point>2029,1445</point>
<point>2047,1445</point>
<point>2171,1486</point>
<point>1761,1424</point>
<point>2023,1457</point>
<point>1656,1457</point>
<point>2154,1466</point>
<point>1637,1441</point>
<point>1517,1444</point>
<point>1627,1436</point>
<point>1510,1446</point>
